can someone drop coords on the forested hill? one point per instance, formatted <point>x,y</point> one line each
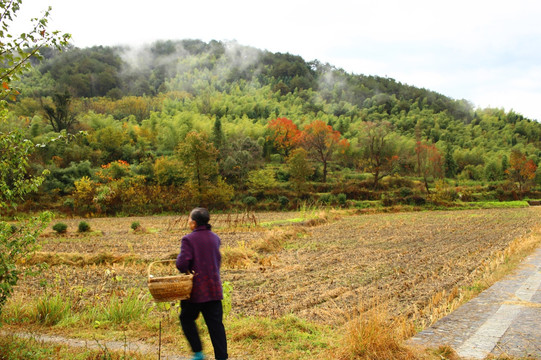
<point>139,106</point>
<point>193,65</point>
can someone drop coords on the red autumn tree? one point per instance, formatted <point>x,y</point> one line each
<point>321,142</point>
<point>284,134</point>
<point>521,170</point>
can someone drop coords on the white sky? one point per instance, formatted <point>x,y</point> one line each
<point>484,51</point>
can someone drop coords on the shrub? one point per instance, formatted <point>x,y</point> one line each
<point>342,199</point>
<point>276,158</point>
<point>60,228</point>
<point>416,200</point>
<point>387,201</point>
<point>83,227</point>
<point>405,192</point>
<point>249,201</point>
<point>282,176</point>
<point>262,180</point>
<point>69,203</point>
<point>135,225</point>
<point>283,201</point>
<point>326,198</point>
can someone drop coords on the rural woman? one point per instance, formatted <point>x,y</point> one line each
<point>200,253</point>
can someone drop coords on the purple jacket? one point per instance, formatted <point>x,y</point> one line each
<point>200,253</point>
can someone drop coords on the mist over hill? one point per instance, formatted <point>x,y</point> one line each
<point>190,65</point>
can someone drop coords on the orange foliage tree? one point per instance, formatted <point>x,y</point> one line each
<point>321,142</point>
<point>521,170</point>
<point>284,134</point>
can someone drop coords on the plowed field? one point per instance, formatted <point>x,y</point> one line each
<point>403,259</point>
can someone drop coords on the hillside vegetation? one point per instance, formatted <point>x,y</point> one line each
<point>181,123</point>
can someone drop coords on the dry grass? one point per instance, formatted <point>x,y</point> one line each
<point>76,259</point>
<point>373,335</point>
<point>240,256</point>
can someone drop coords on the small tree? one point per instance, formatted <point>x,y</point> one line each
<point>262,180</point>
<point>521,170</point>
<point>198,157</point>
<point>321,141</point>
<point>299,168</point>
<point>284,134</point>
<point>218,137</point>
<point>60,116</point>
<point>379,151</point>
<point>450,163</point>
<point>429,162</point>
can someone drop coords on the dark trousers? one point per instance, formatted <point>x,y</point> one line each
<point>212,313</point>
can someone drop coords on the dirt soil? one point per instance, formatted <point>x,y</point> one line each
<point>402,259</point>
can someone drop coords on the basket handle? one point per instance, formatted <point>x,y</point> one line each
<point>158,261</point>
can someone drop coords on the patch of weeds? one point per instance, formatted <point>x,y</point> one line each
<point>445,352</point>
<point>14,348</point>
<point>124,309</point>
<point>50,309</point>
<point>15,312</point>
<point>289,336</point>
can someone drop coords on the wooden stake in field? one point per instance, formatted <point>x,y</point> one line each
<point>160,341</point>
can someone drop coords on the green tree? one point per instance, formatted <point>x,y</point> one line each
<point>17,50</point>
<point>379,150</point>
<point>199,164</point>
<point>218,138</point>
<point>15,151</point>
<point>198,156</point>
<point>493,171</point>
<point>262,180</point>
<point>60,116</point>
<point>299,168</point>
<point>449,162</point>
<point>240,156</point>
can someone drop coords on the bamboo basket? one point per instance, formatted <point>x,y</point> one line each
<point>169,288</point>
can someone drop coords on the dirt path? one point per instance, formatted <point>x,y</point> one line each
<point>503,320</point>
<point>128,346</point>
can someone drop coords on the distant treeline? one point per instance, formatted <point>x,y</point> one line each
<point>113,121</point>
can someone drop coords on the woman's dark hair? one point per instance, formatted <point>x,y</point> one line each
<point>200,215</point>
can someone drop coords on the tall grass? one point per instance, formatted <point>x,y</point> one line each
<point>123,309</point>
<point>51,309</point>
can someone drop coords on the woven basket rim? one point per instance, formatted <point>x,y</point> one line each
<point>167,288</point>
